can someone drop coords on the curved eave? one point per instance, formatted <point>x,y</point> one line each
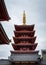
<point>3,12</point>
<point>4,19</point>
<point>31,39</point>
<point>3,39</point>
<point>22,27</point>
<point>2,42</point>
<point>19,33</point>
<point>21,44</point>
<point>3,35</point>
<point>24,45</point>
<point>24,52</point>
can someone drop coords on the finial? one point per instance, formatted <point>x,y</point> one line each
<point>24,18</point>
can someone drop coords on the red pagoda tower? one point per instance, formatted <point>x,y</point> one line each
<point>24,44</point>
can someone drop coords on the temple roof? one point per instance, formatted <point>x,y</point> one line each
<point>3,37</point>
<point>24,52</point>
<point>24,44</point>
<point>3,11</point>
<point>24,32</point>
<point>19,39</point>
<point>28,33</point>
<point>32,46</point>
<point>24,27</point>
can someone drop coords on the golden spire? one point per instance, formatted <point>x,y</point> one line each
<point>24,18</point>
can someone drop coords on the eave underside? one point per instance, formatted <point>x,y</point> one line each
<point>3,37</point>
<point>22,27</point>
<point>24,63</point>
<point>24,52</point>
<point>22,33</point>
<point>25,46</point>
<point>3,40</point>
<point>31,40</point>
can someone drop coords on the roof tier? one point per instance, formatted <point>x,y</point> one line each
<point>24,27</point>
<point>3,40</point>
<point>3,11</point>
<point>3,37</point>
<point>24,52</point>
<point>25,46</point>
<point>26,39</point>
<point>27,33</point>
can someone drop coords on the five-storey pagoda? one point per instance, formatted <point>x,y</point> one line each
<point>24,44</point>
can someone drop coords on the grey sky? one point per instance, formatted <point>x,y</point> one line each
<point>35,14</point>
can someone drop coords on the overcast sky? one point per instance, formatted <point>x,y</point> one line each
<point>35,14</point>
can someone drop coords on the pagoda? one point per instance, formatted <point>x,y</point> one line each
<point>24,45</point>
